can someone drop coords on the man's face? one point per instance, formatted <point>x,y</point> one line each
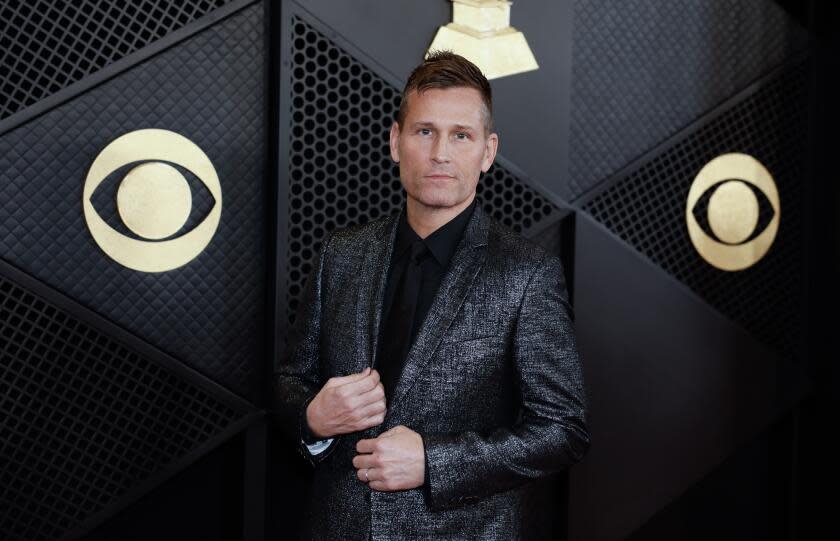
<point>442,147</point>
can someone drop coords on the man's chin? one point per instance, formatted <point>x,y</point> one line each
<point>440,198</point>
<point>440,202</point>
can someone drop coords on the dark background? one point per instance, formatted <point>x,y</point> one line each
<point>133,405</point>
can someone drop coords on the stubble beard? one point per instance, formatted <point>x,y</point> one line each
<point>438,199</point>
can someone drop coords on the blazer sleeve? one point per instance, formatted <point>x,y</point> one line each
<point>551,432</point>
<point>296,378</point>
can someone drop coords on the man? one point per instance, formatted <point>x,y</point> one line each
<point>432,371</point>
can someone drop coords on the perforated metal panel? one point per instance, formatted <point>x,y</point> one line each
<point>644,70</point>
<point>84,418</point>
<point>48,45</point>
<point>341,172</point>
<point>647,208</point>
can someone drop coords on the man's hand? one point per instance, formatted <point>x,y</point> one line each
<point>396,460</point>
<point>347,404</point>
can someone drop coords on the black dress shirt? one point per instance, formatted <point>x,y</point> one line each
<point>441,245</point>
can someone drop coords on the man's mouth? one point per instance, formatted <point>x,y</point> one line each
<point>439,176</point>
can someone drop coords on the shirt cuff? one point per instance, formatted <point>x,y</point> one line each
<point>319,446</point>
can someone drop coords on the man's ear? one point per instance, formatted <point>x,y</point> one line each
<point>395,142</point>
<point>491,145</point>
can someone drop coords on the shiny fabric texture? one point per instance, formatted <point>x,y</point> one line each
<point>492,383</point>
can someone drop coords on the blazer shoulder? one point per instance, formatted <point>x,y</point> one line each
<point>516,251</point>
<point>353,238</point>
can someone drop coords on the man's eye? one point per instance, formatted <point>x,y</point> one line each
<point>424,131</point>
<point>462,136</point>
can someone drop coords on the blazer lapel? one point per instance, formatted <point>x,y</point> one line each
<point>373,276</point>
<point>465,264</point>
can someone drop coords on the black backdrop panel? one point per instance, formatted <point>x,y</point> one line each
<point>675,388</point>
<point>646,206</point>
<point>89,417</point>
<point>746,498</point>
<point>659,90</point>
<point>643,70</point>
<point>49,45</point>
<point>209,88</point>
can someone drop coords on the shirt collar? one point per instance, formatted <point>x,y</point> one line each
<point>442,242</point>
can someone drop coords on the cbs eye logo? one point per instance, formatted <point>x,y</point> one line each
<point>153,200</point>
<point>733,211</point>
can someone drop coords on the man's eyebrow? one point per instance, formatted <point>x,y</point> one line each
<point>426,124</point>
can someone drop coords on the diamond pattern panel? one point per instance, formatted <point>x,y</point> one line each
<point>643,70</point>
<point>48,45</point>
<point>209,88</point>
<point>83,417</point>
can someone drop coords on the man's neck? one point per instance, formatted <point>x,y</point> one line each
<point>425,220</point>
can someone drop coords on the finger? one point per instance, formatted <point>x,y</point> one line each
<point>374,475</point>
<point>371,410</point>
<point>365,446</point>
<point>373,420</point>
<point>362,385</point>
<point>344,380</point>
<point>357,402</point>
<point>368,475</point>
<point>379,485</point>
<point>377,394</point>
<point>363,461</point>
<point>368,400</point>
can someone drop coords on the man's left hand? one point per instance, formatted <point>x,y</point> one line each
<point>395,460</point>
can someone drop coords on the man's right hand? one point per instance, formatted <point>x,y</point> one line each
<point>347,404</point>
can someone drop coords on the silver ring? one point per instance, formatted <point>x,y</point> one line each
<point>367,479</point>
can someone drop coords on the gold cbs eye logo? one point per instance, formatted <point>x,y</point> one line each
<point>153,200</point>
<point>733,211</point>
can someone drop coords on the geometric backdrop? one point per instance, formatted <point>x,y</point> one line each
<point>112,380</point>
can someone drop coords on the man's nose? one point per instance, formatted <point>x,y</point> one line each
<point>440,150</point>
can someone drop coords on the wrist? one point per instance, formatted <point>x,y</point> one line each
<point>311,423</point>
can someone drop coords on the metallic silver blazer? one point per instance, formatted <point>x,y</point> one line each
<point>492,383</point>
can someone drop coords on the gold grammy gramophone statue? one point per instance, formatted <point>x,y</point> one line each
<point>480,31</point>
